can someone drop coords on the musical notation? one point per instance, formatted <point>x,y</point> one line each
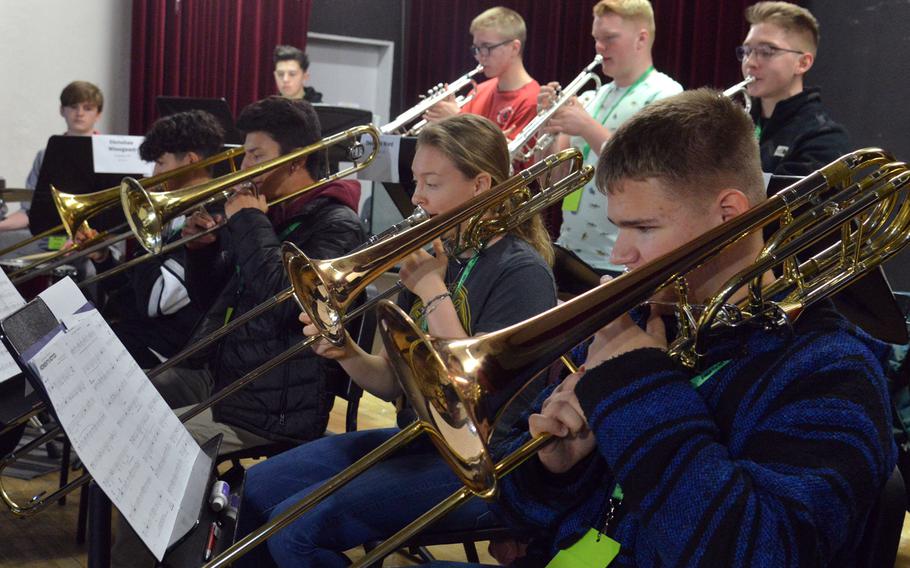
<point>126,435</point>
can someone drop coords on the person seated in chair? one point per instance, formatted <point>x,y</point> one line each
<point>771,452</point>
<point>472,292</point>
<point>151,306</point>
<point>240,267</point>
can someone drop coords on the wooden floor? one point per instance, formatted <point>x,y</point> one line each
<point>48,538</point>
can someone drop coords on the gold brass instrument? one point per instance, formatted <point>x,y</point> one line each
<point>404,122</point>
<point>530,140</point>
<point>76,210</point>
<point>149,213</point>
<point>449,381</point>
<point>741,89</point>
<point>80,205</point>
<point>325,289</point>
<point>376,259</point>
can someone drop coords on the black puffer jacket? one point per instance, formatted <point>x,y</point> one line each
<point>290,402</point>
<point>799,137</point>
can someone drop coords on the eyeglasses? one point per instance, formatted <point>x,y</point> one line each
<point>762,52</point>
<point>486,49</point>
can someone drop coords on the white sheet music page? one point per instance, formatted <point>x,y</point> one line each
<point>10,301</point>
<point>129,439</point>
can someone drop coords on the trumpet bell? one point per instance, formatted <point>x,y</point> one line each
<point>455,408</point>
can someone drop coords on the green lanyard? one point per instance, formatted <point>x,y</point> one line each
<point>758,131</point>
<point>603,119</point>
<point>466,271</point>
<point>572,201</point>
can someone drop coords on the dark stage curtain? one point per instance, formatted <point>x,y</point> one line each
<point>694,40</point>
<point>208,48</point>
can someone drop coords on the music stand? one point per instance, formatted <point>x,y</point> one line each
<point>21,330</point>
<point>68,165</point>
<point>218,108</point>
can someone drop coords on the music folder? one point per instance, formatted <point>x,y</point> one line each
<point>127,437</point>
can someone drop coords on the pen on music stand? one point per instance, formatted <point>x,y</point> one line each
<point>210,545</point>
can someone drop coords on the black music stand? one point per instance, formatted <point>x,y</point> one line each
<point>20,331</point>
<point>401,192</point>
<point>217,107</point>
<point>68,165</point>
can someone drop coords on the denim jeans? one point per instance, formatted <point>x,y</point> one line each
<point>372,506</point>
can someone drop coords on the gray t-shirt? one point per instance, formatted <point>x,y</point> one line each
<point>509,283</point>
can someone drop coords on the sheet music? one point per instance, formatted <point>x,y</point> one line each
<point>10,301</point>
<point>129,439</point>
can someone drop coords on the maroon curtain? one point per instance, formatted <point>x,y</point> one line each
<point>208,48</point>
<point>694,40</point>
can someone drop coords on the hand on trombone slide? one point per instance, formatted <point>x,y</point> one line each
<point>198,222</point>
<point>324,348</point>
<point>85,235</point>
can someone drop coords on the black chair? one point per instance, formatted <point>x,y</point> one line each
<point>882,533</point>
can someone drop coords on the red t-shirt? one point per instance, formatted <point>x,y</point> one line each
<point>511,110</point>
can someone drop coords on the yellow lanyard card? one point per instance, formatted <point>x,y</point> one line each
<point>593,550</point>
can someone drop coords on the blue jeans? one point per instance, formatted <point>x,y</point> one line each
<point>370,507</point>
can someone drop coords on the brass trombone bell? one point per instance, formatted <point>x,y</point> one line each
<point>449,382</point>
<point>149,213</point>
<point>325,289</point>
<point>76,209</point>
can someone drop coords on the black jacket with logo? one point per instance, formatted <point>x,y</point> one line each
<point>291,402</point>
<point>799,137</point>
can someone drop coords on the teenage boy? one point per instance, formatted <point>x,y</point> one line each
<point>154,315</point>
<point>81,104</point>
<point>623,33</point>
<point>796,135</point>
<point>771,453</point>
<point>292,71</point>
<point>509,97</point>
<point>241,267</point>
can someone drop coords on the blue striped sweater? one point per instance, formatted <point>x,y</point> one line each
<point>775,460</point>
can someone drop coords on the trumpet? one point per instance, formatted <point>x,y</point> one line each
<point>401,123</point>
<point>741,88</point>
<point>530,140</point>
<point>448,381</point>
<point>363,267</point>
<point>76,210</point>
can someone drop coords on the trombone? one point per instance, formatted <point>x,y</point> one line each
<point>325,288</point>
<point>529,141</point>
<point>438,93</point>
<point>194,195</point>
<point>448,381</point>
<point>362,268</point>
<point>76,210</point>
<point>149,214</point>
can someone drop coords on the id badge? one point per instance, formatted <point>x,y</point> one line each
<point>593,550</point>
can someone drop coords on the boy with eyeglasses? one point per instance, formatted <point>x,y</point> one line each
<point>509,98</point>
<point>795,133</point>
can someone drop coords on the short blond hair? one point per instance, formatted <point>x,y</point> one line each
<point>790,17</point>
<point>507,22</point>
<point>637,10</point>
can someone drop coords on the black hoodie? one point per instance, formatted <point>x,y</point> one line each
<point>799,137</point>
